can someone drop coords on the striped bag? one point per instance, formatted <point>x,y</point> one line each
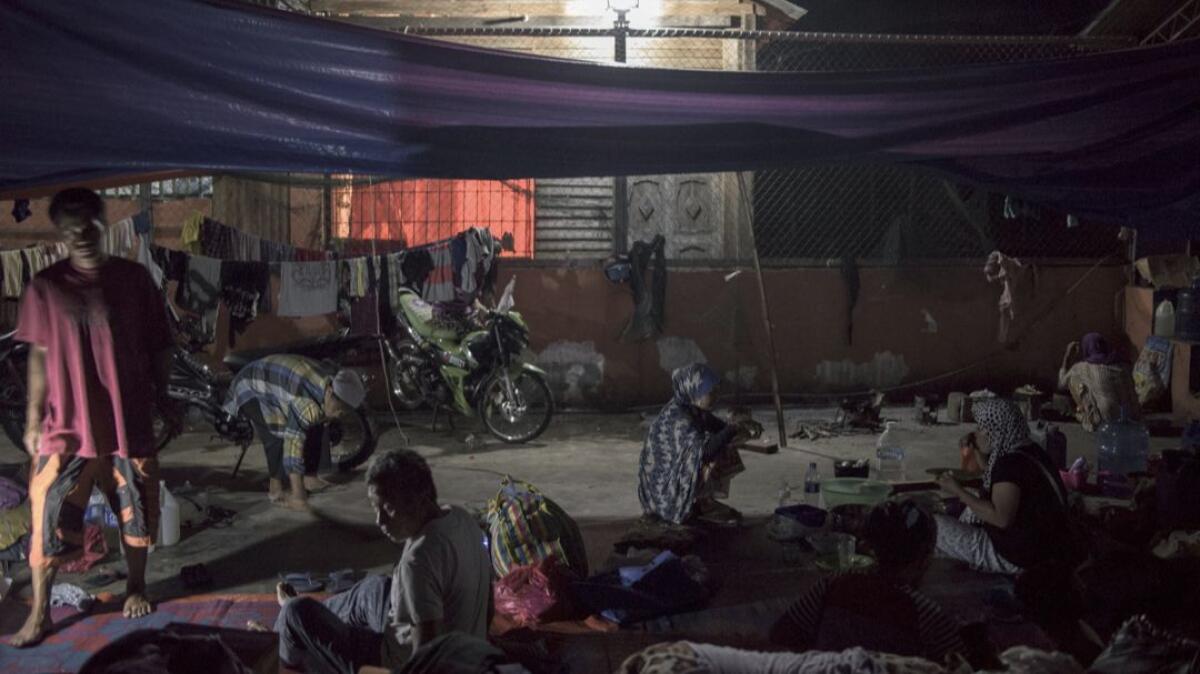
<point>526,527</point>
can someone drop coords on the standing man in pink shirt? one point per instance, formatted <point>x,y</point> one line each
<point>99,359</point>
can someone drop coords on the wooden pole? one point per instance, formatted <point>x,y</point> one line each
<point>766,313</point>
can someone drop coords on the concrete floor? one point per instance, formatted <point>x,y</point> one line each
<point>585,462</point>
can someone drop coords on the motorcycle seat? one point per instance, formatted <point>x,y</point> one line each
<point>420,316</point>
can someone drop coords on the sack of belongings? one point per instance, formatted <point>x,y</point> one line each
<point>526,527</point>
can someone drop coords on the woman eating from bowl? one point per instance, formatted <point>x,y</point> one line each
<point>1020,517</point>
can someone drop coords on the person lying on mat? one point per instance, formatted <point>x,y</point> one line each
<point>442,583</point>
<point>880,611</point>
<point>99,357</point>
<point>688,457</point>
<point>289,399</point>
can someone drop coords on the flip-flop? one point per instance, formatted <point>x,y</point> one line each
<point>302,582</point>
<point>342,580</point>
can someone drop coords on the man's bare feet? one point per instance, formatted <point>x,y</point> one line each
<point>137,605</point>
<point>293,503</point>
<point>284,592</point>
<point>314,483</point>
<point>31,633</point>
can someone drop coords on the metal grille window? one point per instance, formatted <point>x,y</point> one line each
<point>177,188</point>
<point>416,212</point>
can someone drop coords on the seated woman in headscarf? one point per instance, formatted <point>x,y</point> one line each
<point>1100,385</point>
<point>1020,518</point>
<point>688,457</point>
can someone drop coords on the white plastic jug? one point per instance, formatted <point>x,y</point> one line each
<point>168,528</point>
<point>1164,319</point>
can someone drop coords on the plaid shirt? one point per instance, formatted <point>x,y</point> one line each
<point>290,391</point>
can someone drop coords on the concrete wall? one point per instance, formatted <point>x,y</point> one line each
<point>909,325</point>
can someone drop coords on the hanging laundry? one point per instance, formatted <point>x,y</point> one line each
<point>172,262</point>
<point>21,210</point>
<point>357,281</point>
<point>244,290</point>
<point>479,254</point>
<point>307,288</point>
<point>648,302</point>
<point>201,291</point>
<point>118,238</point>
<point>13,264</point>
<point>189,237</point>
<point>146,259</point>
<point>218,240</point>
<point>1017,280</point>
<point>440,286</point>
<point>142,223</point>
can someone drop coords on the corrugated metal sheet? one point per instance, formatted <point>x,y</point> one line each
<point>574,217</point>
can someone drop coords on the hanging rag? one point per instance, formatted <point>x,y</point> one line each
<point>21,210</point>
<point>648,303</point>
<point>479,258</point>
<point>173,263</point>
<point>853,284</point>
<point>146,259</point>
<point>244,290</point>
<point>308,288</point>
<point>356,276</point>
<point>1016,280</point>
<point>189,237</point>
<point>393,266</point>
<point>201,291</point>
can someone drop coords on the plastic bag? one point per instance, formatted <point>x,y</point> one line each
<point>535,593</point>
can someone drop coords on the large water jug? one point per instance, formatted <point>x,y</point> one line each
<point>889,455</point>
<point>1164,319</point>
<point>1122,447</point>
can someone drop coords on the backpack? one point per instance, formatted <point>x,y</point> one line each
<point>526,527</point>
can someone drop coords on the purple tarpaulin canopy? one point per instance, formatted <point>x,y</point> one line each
<point>130,86</point>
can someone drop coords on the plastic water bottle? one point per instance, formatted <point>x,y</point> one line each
<point>1123,447</point>
<point>168,532</point>
<point>812,486</point>
<point>1164,319</point>
<point>889,455</point>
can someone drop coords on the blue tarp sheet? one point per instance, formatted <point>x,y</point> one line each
<point>126,87</point>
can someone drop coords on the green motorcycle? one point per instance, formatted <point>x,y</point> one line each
<point>480,373</point>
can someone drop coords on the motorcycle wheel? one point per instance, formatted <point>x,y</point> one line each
<point>351,441</point>
<point>403,379</point>
<point>522,417</point>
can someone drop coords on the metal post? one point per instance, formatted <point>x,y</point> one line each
<point>620,184</point>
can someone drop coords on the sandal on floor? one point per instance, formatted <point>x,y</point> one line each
<point>302,582</point>
<point>717,513</point>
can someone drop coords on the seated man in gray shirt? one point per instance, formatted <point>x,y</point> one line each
<point>442,583</point>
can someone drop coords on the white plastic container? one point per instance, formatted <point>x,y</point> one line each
<point>168,529</point>
<point>1164,319</point>
<point>889,455</point>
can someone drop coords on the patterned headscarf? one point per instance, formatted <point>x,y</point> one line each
<point>692,382</point>
<point>1006,429</point>
<point>669,470</point>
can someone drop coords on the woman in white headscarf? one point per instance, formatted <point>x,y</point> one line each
<point>1020,517</point>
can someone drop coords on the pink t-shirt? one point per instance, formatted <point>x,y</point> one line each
<point>101,329</point>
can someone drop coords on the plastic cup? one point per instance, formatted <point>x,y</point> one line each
<point>845,551</point>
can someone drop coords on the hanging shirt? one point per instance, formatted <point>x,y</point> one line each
<point>308,288</point>
<point>440,286</point>
<point>101,329</point>
<point>201,290</point>
<point>146,259</point>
